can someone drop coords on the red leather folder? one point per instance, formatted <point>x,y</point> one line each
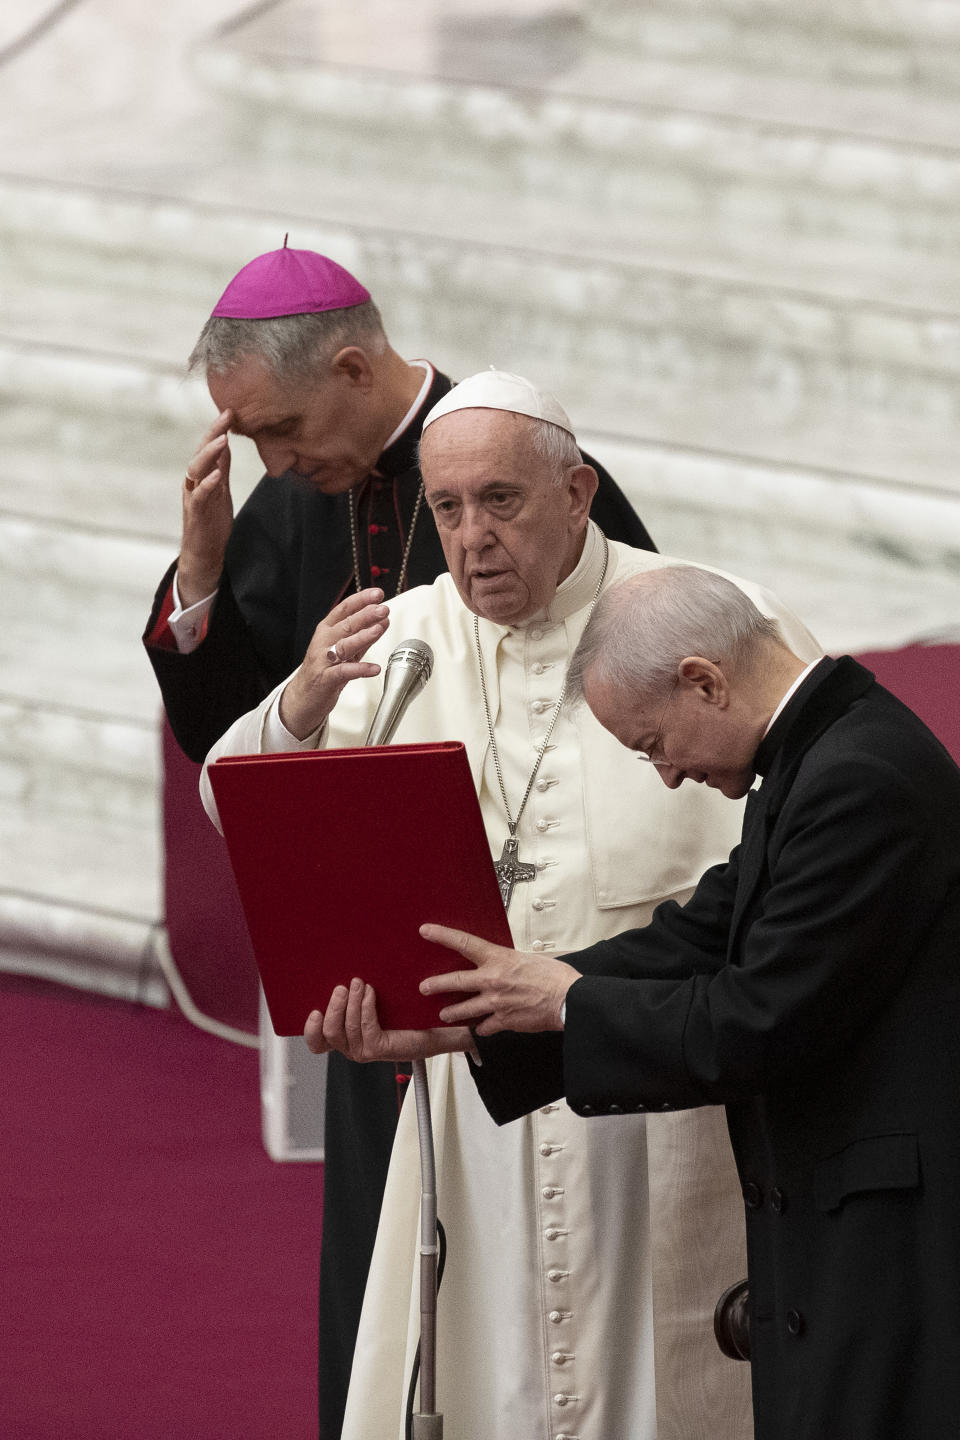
<point>340,856</point>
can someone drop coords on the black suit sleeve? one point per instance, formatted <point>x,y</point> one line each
<point>854,886</point>
<point>204,691</point>
<point>520,1072</point>
<point>752,984</point>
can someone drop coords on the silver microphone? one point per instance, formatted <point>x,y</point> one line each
<point>408,670</point>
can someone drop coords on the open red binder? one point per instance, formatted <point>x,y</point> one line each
<point>340,856</point>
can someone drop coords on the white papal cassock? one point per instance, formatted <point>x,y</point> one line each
<point>584,1257</point>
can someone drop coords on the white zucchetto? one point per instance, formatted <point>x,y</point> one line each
<point>498,390</point>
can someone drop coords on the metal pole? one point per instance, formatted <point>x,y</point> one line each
<point>427,1423</point>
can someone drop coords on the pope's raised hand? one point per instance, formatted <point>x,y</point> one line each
<point>207,514</point>
<point>350,1025</point>
<point>334,657</point>
<point>508,990</point>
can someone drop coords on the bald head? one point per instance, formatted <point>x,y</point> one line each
<point>642,628</point>
<point>680,665</point>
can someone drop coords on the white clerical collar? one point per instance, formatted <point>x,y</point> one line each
<point>421,396</point>
<point>580,586</point>
<point>791,692</point>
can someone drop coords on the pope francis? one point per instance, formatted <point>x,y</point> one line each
<point>584,1260</point>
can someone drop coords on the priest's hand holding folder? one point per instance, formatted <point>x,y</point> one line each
<point>507,990</point>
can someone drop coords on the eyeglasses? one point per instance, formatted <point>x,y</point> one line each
<point>655,755</point>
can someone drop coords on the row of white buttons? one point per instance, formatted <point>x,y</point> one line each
<point>547,1148</point>
<point>543,784</point>
<point>551,1192</point>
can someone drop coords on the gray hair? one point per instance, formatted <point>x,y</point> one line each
<point>556,446</point>
<point>644,626</point>
<point>291,347</point>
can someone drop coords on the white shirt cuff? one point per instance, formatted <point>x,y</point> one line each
<point>186,626</point>
<point>275,738</point>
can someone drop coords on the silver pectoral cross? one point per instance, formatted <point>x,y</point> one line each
<point>511,870</point>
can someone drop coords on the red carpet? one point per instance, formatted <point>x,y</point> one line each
<point>159,1270</point>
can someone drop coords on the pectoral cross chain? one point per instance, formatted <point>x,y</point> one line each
<point>511,870</point>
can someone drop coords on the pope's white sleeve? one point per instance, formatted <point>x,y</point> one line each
<point>245,737</point>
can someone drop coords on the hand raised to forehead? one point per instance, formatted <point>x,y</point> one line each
<point>334,658</point>
<point>207,514</point>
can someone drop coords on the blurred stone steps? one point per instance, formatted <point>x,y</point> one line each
<point>666,354</point>
<point>872,43</point>
<point>81,891</point>
<point>78,822</point>
<point>73,608</point>
<point>621,138</point>
<point>788,525</point>
<point>86,529</point>
<point>868,564</point>
<point>99,441</point>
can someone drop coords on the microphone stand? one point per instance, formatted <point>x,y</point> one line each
<point>427,1422</point>
<point>408,670</point>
